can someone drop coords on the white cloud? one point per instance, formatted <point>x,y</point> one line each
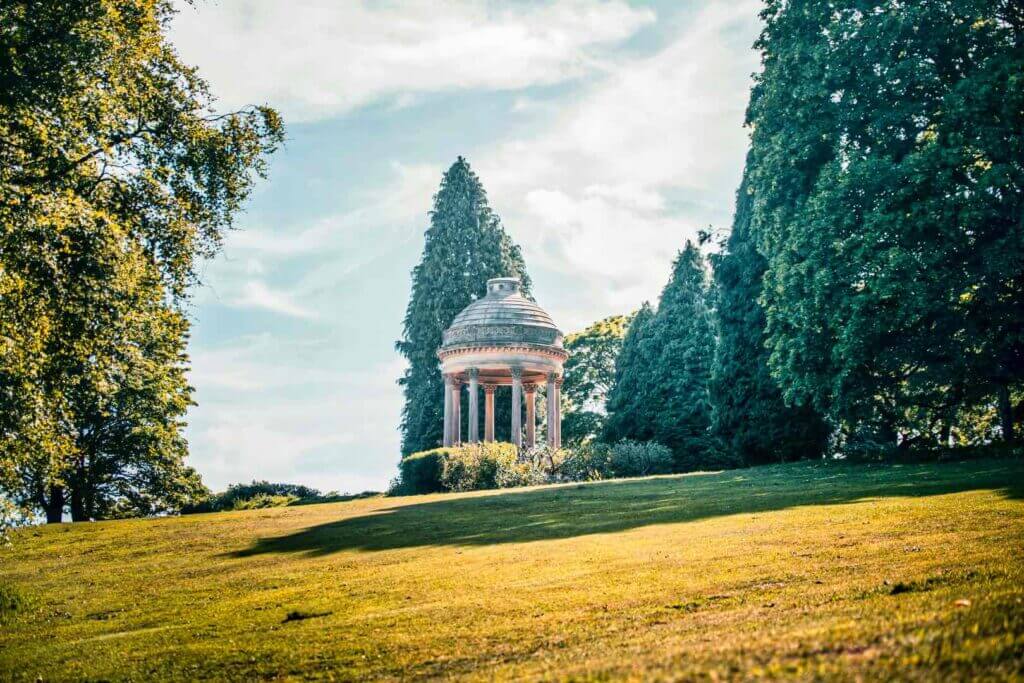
<point>257,294</point>
<point>311,424</point>
<point>641,161</point>
<point>321,57</point>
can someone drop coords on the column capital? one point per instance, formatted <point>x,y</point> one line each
<point>456,382</point>
<point>555,378</point>
<point>474,373</point>
<point>517,373</point>
<point>490,388</point>
<point>530,387</point>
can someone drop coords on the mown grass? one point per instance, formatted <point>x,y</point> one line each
<point>807,570</point>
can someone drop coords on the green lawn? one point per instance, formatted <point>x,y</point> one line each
<point>808,570</point>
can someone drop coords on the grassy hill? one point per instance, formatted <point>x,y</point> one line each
<point>812,570</point>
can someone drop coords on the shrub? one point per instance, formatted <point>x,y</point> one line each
<point>420,473</point>
<point>264,494</point>
<point>639,458</point>
<point>709,458</point>
<point>500,465</point>
<point>583,462</point>
<point>263,500</point>
<point>472,467</point>
<point>482,466</point>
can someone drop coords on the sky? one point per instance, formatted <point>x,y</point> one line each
<point>606,133</point>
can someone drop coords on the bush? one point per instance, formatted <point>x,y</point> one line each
<point>420,473</point>
<point>500,465</point>
<point>639,458</point>
<point>472,467</point>
<point>264,494</point>
<point>482,466</point>
<point>263,500</point>
<point>585,462</point>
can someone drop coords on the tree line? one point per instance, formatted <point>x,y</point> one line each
<point>870,294</point>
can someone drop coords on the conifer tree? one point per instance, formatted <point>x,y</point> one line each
<point>661,389</point>
<point>629,416</point>
<point>749,417</point>
<point>683,334</point>
<point>465,246</point>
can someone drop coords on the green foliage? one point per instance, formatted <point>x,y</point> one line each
<point>465,246</point>
<point>264,500</point>
<point>115,181</point>
<point>254,495</point>
<point>887,171</point>
<point>629,414</point>
<point>588,461</point>
<point>661,390</point>
<point>589,376</point>
<point>420,473</point>
<point>638,459</point>
<point>487,466</point>
<point>497,465</point>
<point>749,417</point>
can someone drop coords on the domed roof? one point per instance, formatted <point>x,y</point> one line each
<point>504,316</point>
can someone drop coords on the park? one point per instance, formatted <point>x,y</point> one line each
<point>562,340</point>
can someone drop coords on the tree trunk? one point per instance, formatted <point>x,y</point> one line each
<point>1006,414</point>
<point>55,506</point>
<point>79,488</point>
<point>949,419</point>
<point>78,513</point>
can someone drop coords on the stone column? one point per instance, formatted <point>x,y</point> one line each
<point>558,412</point>
<point>554,416</point>
<point>447,441</point>
<point>531,414</point>
<point>456,411</point>
<point>489,412</point>
<point>474,411</point>
<point>517,407</point>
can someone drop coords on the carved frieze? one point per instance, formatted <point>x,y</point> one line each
<point>476,334</point>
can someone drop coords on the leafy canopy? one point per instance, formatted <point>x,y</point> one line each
<point>116,178</point>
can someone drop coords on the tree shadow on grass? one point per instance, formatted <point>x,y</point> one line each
<point>516,516</point>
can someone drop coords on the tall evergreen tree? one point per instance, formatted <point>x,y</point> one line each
<point>888,184</point>
<point>683,332</point>
<point>629,412</point>
<point>465,246</point>
<point>661,390</point>
<point>749,416</point>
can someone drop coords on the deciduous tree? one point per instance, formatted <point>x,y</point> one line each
<point>116,179</point>
<point>888,184</point>
<point>589,376</point>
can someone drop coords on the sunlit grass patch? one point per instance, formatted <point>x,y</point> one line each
<point>807,570</point>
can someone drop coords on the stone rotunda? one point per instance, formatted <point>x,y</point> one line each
<point>502,339</point>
